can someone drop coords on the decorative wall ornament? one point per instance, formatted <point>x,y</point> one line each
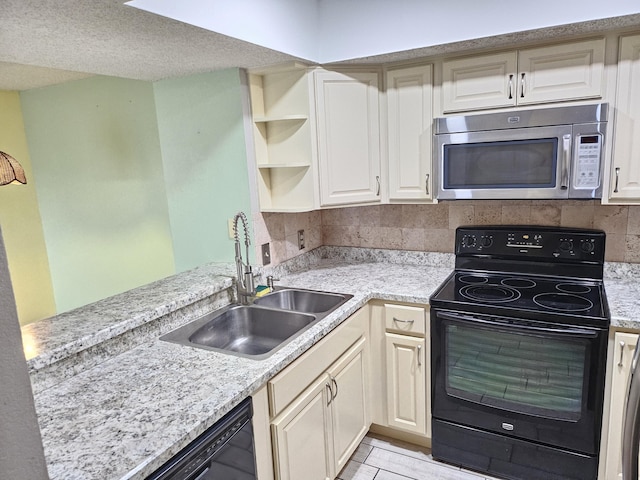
<point>10,170</point>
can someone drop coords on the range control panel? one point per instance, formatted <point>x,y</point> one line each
<point>544,243</point>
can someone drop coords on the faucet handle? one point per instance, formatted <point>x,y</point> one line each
<point>270,281</point>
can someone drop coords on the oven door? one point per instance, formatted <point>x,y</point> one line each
<point>527,379</point>
<point>514,163</point>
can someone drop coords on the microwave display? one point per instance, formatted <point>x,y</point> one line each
<point>504,164</point>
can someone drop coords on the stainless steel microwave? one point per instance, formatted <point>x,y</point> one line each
<point>551,153</point>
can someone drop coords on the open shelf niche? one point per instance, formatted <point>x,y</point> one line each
<point>285,138</point>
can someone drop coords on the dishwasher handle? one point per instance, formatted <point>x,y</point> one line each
<point>631,428</point>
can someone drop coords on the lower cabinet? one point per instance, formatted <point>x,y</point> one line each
<point>621,356</point>
<point>317,434</point>
<point>400,400</point>
<point>406,383</point>
<point>372,369</point>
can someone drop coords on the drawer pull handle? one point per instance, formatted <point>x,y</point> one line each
<point>330,393</point>
<point>402,321</point>
<point>615,190</point>
<point>419,355</point>
<point>523,86</point>
<point>620,364</point>
<point>333,380</point>
<point>377,185</point>
<point>510,87</point>
<point>426,184</point>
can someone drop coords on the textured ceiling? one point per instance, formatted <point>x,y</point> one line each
<point>44,42</point>
<point>72,38</point>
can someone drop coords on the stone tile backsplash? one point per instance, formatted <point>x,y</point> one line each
<point>431,227</point>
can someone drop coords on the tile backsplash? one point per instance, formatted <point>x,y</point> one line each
<point>431,227</point>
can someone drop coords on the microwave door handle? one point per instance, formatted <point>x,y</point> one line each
<point>566,153</point>
<point>631,427</point>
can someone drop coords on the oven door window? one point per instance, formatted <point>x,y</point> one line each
<point>530,374</point>
<point>505,164</point>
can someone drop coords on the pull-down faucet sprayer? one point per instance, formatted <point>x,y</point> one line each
<point>244,284</point>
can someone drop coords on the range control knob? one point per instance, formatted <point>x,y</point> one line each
<point>566,245</point>
<point>587,247</point>
<point>469,241</point>
<point>486,242</point>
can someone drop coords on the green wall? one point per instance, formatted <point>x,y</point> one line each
<point>135,180</point>
<point>21,223</point>
<point>95,151</point>
<point>204,156</point>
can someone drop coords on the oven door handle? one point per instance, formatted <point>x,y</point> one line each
<point>580,332</point>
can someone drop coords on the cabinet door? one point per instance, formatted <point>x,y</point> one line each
<point>406,383</point>
<point>301,436</point>
<point>558,73</point>
<point>625,168</point>
<point>348,137</point>
<point>483,81</point>
<point>350,409</point>
<point>410,117</point>
<point>625,343</point>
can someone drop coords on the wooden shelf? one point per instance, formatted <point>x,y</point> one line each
<point>284,165</point>
<point>284,118</point>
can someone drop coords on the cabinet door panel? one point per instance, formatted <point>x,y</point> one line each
<point>348,137</point>
<point>301,437</point>
<point>560,73</point>
<point>406,383</point>
<point>484,81</point>
<point>624,344</point>
<point>410,118</point>
<point>350,411</point>
<point>625,168</point>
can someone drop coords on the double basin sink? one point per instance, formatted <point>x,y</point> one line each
<point>258,330</point>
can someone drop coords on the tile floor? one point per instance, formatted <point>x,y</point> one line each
<point>381,458</point>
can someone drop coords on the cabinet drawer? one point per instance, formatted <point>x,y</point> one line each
<point>289,383</point>
<point>404,319</point>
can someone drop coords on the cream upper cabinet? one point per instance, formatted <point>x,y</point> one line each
<point>409,125</point>
<point>624,345</point>
<point>625,164</point>
<point>474,83</point>
<point>348,137</point>
<point>569,71</point>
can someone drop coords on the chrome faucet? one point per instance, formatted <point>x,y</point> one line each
<point>244,284</point>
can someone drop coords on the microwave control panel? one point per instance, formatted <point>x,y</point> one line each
<point>587,165</point>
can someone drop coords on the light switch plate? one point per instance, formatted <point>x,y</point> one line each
<point>230,227</point>
<point>266,254</point>
<point>300,239</point>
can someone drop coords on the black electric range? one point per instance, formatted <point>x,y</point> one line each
<point>518,353</point>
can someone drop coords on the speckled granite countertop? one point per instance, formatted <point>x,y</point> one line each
<point>124,415</point>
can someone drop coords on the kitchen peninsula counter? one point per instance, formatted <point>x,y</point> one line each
<point>121,416</point>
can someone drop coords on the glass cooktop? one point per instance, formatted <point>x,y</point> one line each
<point>545,295</point>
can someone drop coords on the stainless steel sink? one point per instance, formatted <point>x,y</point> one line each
<point>308,301</point>
<point>259,330</point>
<point>249,331</point>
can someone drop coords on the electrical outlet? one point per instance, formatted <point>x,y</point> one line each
<point>266,254</point>
<point>230,227</point>
<point>300,239</point>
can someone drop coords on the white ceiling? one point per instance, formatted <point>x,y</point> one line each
<point>44,42</point>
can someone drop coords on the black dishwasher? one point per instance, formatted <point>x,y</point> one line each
<point>223,452</point>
